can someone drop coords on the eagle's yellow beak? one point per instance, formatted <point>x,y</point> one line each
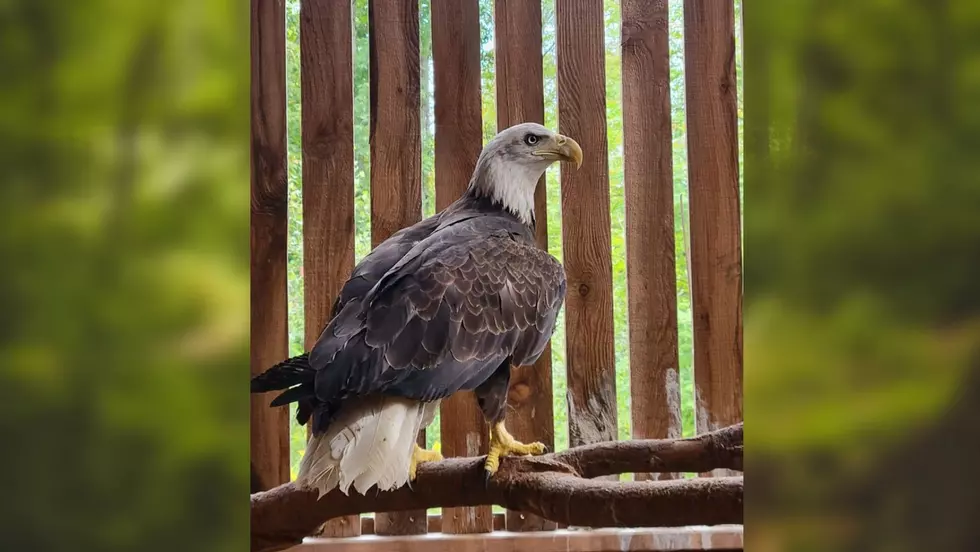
<point>563,148</point>
<point>569,150</point>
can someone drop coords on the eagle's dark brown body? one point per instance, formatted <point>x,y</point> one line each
<point>448,304</point>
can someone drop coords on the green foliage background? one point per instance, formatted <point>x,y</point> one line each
<point>862,311</point>
<point>615,136</point>
<point>124,275</point>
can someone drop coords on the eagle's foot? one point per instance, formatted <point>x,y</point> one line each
<point>420,455</point>
<point>502,443</point>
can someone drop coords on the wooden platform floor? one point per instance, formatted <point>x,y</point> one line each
<point>676,539</point>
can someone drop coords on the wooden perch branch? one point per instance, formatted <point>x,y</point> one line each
<point>556,486</point>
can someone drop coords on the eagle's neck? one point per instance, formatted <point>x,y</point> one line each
<point>508,184</point>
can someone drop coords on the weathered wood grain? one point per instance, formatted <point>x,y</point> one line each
<point>328,170</point>
<point>520,99</point>
<point>713,179</point>
<point>396,158</point>
<point>586,239</point>
<point>458,142</point>
<point>396,136</point>
<point>268,331</point>
<point>650,269</point>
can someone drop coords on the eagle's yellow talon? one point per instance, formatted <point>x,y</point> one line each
<point>420,455</point>
<point>502,443</point>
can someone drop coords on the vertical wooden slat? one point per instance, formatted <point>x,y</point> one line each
<point>586,224</point>
<point>269,333</point>
<point>713,176</point>
<point>396,146</point>
<point>651,272</point>
<point>458,141</point>
<point>396,138</point>
<point>328,171</point>
<point>520,98</point>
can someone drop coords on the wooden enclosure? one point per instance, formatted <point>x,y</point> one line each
<point>396,201</point>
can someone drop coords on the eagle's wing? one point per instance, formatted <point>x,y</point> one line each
<point>364,277</point>
<point>463,300</point>
<point>381,259</point>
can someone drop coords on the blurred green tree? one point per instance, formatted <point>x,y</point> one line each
<point>123,225</point>
<point>861,304</point>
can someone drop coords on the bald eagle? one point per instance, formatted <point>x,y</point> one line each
<point>448,304</point>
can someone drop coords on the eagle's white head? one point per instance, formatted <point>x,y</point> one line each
<point>511,165</point>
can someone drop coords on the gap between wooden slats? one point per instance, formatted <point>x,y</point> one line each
<point>520,98</point>
<point>716,285</point>
<point>458,142</point>
<point>328,171</point>
<point>396,149</point>
<point>269,332</point>
<point>651,272</point>
<point>586,224</point>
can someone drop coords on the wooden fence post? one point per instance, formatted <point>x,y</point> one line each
<point>586,242</point>
<point>396,153</point>
<point>328,171</point>
<point>520,98</point>
<point>716,273</point>
<point>458,142</point>
<point>268,332</point>
<point>649,183</point>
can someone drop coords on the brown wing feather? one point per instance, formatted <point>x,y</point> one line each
<point>502,287</point>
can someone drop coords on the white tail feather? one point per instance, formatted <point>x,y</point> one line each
<point>369,443</point>
<point>391,475</point>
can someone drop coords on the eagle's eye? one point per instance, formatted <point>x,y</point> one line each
<point>530,139</point>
